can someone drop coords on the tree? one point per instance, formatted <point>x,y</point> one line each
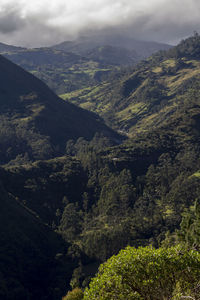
<point>189,233</point>
<point>146,273</point>
<point>75,294</point>
<point>70,224</point>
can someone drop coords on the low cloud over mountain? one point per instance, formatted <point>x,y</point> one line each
<point>38,23</point>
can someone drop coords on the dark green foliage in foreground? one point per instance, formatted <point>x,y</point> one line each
<point>146,273</point>
<point>189,234</point>
<point>152,274</point>
<point>76,294</point>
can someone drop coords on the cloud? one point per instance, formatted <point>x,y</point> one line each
<point>43,22</point>
<point>10,19</point>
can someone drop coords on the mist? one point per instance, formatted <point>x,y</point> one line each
<point>45,22</point>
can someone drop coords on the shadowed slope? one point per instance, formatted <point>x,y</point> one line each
<point>35,121</point>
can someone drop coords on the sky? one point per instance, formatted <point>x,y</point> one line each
<point>47,22</point>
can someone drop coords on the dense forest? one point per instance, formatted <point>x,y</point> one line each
<point>78,186</point>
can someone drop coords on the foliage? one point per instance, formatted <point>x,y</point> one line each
<point>189,233</point>
<point>70,179</point>
<point>75,294</point>
<point>146,273</point>
<point>32,256</point>
<point>35,123</point>
<point>62,71</point>
<point>70,223</point>
<point>187,48</point>
<point>148,95</point>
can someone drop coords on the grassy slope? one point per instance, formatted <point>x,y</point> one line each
<point>143,98</point>
<point>71,69</point>
<point>61,71</point>
<point>35,121</point>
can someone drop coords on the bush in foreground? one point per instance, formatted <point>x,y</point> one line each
<point>75,294</point>
<point>147,274</point>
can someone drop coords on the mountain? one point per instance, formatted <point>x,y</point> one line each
<point>63,71</point>
<point>87,62</point>
<point>137,191</point>
<point>4,48</point>
<point>29,58</point>
<point>35,123</point>
<point>147,95</point>
<point>110,55</point>
<point>91,198</point>
<point>84,44</point>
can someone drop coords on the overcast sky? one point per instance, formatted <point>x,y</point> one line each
<point>47,22</point>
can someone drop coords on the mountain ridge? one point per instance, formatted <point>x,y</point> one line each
<point>32,114</point>
<point>84,43</point>
<point>144,95</point>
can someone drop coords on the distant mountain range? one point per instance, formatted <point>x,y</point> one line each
<point>84,44</point>
<point>82,63</point>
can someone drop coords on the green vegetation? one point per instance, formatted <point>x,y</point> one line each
<point>35,123</point>
<point>135,99</point>
<point>72,66</point>
<point>74,192</point>
<point>63,72</point>
<point>147,273</point>
<point>32,256</point>
<point>76,294</point>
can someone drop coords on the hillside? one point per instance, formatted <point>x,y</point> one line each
<point>138,190</point>
<point>4,48</point>
<point>84,44</point>
<point>147,95</point>
<point>35,123</point>
<point>28,249</point>
<point>103,199</point>
<point>61,71</point>
<point>66,69</point>
<point>75,180</point>
<point>110,55</point>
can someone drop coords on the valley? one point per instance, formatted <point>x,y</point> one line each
<point>114,163</point>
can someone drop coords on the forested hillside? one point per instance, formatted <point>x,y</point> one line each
<point>64,71</point>
<point>33,265</point>
<point>148,95</point>
<point>91,191</point>
<point>35,123</point>
<point>80,64</point>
